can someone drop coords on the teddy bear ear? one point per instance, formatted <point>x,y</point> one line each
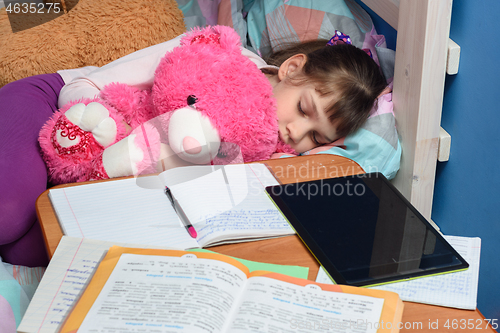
<point>217,35</point>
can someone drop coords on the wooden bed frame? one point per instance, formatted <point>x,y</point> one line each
<point>423,54</point>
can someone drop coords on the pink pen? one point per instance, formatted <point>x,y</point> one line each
<point>180,212</point>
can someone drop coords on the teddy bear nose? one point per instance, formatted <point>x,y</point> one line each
<point>191,145</point>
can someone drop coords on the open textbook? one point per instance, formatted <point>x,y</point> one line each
<point>224,203</point>
<point>71,267</point>
<point>178,291</point>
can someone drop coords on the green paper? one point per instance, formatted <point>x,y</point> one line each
<point>295,271</point>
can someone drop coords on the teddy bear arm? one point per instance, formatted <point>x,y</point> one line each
<point>131,103</point>
<point>76,136</point>
<point>143,151</point>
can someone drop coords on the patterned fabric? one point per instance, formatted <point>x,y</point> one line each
<point>278,22</point>
<point>17,286</point>
<point>201,13</point>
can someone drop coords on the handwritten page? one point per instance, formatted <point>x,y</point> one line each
<point>235,205</point>
<point>165,294</point>
<point>458,289</point>
<point>120,211</point>
<point>242,225</point>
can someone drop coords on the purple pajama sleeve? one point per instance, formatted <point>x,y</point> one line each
<point>25,105</point>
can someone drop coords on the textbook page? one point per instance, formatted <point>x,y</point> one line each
<point>71,267</point>
<point>235,205</point>
<point>457,289</point>
<point>155,291</point>
<point>270,305</point>
<point>165,294</point>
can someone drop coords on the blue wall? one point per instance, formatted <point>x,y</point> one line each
<point>467,191</point>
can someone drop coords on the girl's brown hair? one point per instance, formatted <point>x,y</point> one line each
<point>344,70</point>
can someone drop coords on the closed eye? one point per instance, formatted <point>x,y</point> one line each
<point>315,140</point>
<point>300,109</point>
<point>313,133</point>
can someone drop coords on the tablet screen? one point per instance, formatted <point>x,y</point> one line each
<point>363,231</point>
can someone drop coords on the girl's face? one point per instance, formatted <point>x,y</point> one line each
<point>302,121</point>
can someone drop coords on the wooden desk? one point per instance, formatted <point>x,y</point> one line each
<point>291,251</point>
<point>287,170</point>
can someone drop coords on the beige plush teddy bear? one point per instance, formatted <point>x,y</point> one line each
<point>91,33</point>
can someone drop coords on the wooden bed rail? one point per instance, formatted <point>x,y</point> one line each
<point>420,67</point>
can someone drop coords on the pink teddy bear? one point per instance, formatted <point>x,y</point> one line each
<point>208,104</point>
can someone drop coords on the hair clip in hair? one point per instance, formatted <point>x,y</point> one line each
<point>368,52</point>
<point>340,38</point>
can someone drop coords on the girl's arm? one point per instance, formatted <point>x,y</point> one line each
<point>135,69</point>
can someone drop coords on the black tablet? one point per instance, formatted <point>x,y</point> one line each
<point>363,231</point>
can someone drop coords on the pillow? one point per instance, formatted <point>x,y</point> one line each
<point>200,13</point>
<point>274,22</point>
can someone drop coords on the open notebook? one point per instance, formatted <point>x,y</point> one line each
<point>456,290</point>
<point>224,203</point>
